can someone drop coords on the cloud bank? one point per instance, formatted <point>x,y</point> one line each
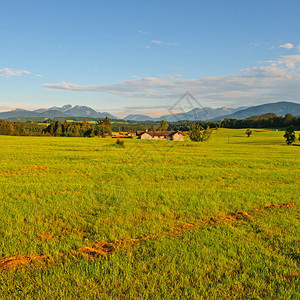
<point>277,80</point>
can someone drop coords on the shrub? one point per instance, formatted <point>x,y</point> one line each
<point>248,132</point>
<point>198,134</point>
<point>120,143</point>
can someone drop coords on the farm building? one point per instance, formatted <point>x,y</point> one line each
<point>161,135</point>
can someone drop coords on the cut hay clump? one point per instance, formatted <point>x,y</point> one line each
<point>102,248</point>
<point>288,205</point>
<point>120,143</point>
<point>14,262</point>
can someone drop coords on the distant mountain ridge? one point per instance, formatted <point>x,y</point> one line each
<point>202,113</point>
<point>279,108</point>
<point>57,112</point>
<point>139,118</point>
<point>213,114</point>
<point>196,114</point>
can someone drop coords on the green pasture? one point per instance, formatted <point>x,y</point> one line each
<point>58,194</point>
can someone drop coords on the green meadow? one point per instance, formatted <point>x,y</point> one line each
<point>178,220</point>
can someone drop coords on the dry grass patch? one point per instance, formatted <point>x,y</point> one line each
<point>45,236</point>
<point>16,261</point>
<point>104,248</point>
<point>288,205</point>
<point>230,218</point>
<point>40,168</point>
<point>66,192</point>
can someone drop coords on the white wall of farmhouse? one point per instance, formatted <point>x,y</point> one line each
<point>178,137</point>
<point>146,136</point>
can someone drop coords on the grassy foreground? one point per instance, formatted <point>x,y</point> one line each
<point>84,218</point>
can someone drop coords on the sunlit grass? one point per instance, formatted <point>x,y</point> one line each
<point>59,194</point>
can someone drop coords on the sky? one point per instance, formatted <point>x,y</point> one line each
<point>141,57</point>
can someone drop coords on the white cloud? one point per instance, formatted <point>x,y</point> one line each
<point>171,76</point>
<point>9,72</point>
<point>255,44</point>
<point>289,61</point>
<point>279,80</point>
<point>287,46</point>
<point>164,43</point>
<point>172,44</point>
<point>269,71</point>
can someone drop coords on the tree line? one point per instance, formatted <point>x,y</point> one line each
<point>21,128</point>
<point>105,127</point>
<point>74,129</point>
<point>79,129</point>
<point>268,120</point>
<point>263,121</point>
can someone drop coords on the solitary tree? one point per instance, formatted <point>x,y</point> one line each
<point>290,135</point>
<point>163,125</point>
<point>248,132</point>
<point>198,134</point>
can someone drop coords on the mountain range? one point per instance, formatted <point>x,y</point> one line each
<point>196,114</point>
<point>278,108</point>
<point>209,114</point>
<point>66,111</point>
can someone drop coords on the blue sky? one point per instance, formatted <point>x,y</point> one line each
<point>141,56</point>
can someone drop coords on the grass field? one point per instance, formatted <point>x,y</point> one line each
<point>82,218</point>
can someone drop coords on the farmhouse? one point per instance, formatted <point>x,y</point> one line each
<point>161,135</point>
